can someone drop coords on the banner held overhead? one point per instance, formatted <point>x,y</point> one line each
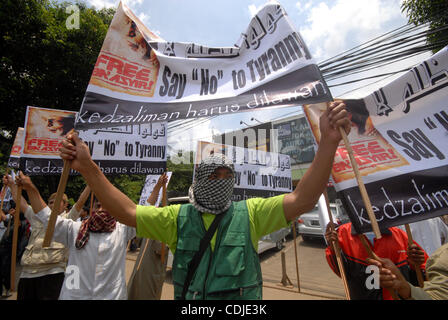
<point>139,78</point>
<point>399,139</point>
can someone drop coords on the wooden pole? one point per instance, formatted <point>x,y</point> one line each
<point>14,239</point>
<point>163,246</point>
<point>3,196</point>
<point>57,203</point>
<point>373,255</point>
<point>143,253</point>
<point>417,268</point>
<point>92,198</point>
<point>285,279</point>
<point>362,188</point>
<point>294,232</point>
<point>337,250</point>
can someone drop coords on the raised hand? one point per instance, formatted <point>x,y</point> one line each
<point>334,117</point>
<point>76,151</point>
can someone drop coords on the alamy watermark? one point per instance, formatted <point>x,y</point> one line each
<point>72,22</point>
<point>373,280</point>
<point>72,275</point>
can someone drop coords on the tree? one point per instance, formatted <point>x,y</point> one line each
<point>45,64</point>
<point>182,176</point>
<point>42,62</point>
<point>434,12</point>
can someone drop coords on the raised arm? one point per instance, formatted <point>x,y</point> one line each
<point>75,212</point>
<point>13,187</point>
<point>314,182</point>
<point>36,201</point>
<point>112,199</point>
<point>82,198</point>
<point>152,199</point>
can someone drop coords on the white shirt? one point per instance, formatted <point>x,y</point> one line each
<point>100,264</point>
<point>429,233</point>
<point>38,227</point>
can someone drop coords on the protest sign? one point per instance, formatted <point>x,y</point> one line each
<point>399,139</point>
<point>14,158</point>
<point>257,173</point>
<point>295,139</point>
<point>150,182</point>
<point>140,78</point>
<point>132,149</point>
<point>45,130</point>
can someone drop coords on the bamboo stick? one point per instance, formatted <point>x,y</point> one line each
<point>143,253</point>
<point>362,188</point>
<point>337,250</point>
<point>14,239</point>
<point>294,232</point>
<point>57,203</point>
<point>373,255</point>
<point>163,246</point>
<point>417,268</point>
<point>92,198</point>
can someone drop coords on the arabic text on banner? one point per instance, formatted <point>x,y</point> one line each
<point>400,140</point>
<point>140,78</point>
<point>137,149</point>
<point>257,173</point>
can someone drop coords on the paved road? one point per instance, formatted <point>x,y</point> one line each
<point>317,281</point>
<point>316,277</point>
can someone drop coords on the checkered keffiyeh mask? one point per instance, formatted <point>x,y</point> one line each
<point>212,196</point>
<point>99,221</point>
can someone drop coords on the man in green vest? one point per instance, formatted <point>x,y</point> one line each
<point>229,268</point>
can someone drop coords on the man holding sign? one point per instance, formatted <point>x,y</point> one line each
<point>230,268</point>
<point>43,268</point>
<point>96,250</point>
<point>435,288</point>
<point>393,245</point>
<point>146,281</point>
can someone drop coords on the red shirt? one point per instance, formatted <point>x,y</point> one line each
<point>392,245</point>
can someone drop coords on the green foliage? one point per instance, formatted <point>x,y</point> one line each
<point>131,185</point>
<point>45,64</point>
<point>182,177</point>
<point>434,12</point>
<point>42,62</point>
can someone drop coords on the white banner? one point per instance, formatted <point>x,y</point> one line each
<point>400,141</point>
<point>132,149</point>
<point>257,173</point>
<point>140,78</point>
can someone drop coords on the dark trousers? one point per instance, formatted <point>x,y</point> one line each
<point>41,288</point>
<point>5,267</point>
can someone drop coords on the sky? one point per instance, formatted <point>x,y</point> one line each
<point>328,27</point>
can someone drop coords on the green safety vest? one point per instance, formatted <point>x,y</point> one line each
<point>231,271</point>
